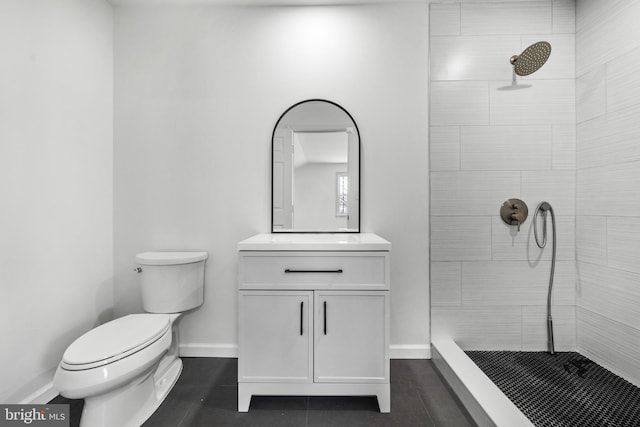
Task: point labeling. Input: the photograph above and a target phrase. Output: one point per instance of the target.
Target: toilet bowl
(125, 368)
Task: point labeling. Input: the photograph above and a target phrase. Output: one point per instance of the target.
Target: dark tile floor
(206, 395)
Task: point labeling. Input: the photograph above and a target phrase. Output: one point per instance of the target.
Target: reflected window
(342, 194)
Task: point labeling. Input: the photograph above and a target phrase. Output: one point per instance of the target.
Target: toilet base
(132, 404)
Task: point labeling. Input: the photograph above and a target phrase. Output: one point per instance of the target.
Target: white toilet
(125, 368)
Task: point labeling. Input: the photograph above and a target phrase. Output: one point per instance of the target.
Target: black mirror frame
(359, 170)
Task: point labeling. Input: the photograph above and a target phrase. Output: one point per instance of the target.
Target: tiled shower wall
(490, 142)
(608, 184)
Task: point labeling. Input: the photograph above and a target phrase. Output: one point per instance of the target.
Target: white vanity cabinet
(313, 316)
(276, 332)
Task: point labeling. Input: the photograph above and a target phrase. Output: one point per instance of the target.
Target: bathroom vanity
(313, 316)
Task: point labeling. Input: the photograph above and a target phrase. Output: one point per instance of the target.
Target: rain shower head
(531, 59)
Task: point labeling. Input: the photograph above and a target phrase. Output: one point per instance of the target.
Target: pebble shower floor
(561, 390)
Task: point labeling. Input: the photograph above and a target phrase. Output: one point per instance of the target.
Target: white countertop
(315, 242)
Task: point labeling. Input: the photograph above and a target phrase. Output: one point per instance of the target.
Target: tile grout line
(183, 419)
(424, 406)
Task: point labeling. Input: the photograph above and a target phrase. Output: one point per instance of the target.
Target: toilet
(125, 368)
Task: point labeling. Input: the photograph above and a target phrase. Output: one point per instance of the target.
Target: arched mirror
(315, 173)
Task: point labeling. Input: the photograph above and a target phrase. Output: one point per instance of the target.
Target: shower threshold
(564, 389)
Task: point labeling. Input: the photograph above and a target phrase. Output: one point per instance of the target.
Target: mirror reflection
(316, 170)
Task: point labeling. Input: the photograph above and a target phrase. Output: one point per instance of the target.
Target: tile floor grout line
(306, 413)
(424, 406)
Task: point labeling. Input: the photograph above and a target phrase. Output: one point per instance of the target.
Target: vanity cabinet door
(351, 336)
(275, 336)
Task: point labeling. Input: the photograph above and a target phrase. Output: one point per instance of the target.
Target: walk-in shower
(544, 388)
(542, 209)
(527, 119)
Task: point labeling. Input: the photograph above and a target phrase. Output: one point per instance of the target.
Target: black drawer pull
(325, 317)
(301, 316)
(288, 270)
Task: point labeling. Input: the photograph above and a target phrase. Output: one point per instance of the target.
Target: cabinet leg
(384, 401)
(244, 399)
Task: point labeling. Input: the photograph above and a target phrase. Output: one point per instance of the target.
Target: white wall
(487, 144)
(56, 182)
(608, 184)
(197, 93)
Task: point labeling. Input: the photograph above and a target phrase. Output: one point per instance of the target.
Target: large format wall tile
(489, 142)
(516, 283)
(556, 187)
(609, 190)
(473, 57)
(564, 16)
(534, 328)
(516, 18)
(609, 139)
(445, 283)
(563, 147)
(505, 147)
(591, 96)
(460, 238)
(608, 179)
(509, 245)
(609, 343)
(479, 328)
(472, 192)
(444, 148)
(591, 239)
(605, 30)
(444, 19)
(612, 293)
(546, 102)
(623, 243)
(459, 103)
(623, 81)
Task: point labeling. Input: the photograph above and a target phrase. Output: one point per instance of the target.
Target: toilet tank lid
(170, 258)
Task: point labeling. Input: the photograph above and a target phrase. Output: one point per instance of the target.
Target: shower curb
(484, 401)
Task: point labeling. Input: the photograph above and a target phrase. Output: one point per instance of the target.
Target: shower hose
(545, 207)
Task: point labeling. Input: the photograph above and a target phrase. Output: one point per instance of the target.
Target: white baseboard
(396, 351)
(410, 351)
(208, 350)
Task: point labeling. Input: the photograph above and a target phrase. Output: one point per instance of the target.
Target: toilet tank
(171, 282)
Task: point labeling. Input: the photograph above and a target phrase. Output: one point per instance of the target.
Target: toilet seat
(115, 340)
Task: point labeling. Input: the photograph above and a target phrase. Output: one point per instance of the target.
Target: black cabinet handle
(325, 317)
(301, 316)
(288, 270)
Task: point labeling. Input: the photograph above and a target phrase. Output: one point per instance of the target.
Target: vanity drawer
(314, 270)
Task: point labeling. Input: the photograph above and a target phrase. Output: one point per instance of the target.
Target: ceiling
(320, 147)
(260, 2)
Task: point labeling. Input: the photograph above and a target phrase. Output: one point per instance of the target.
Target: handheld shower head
(544, 206)
(531, 59)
